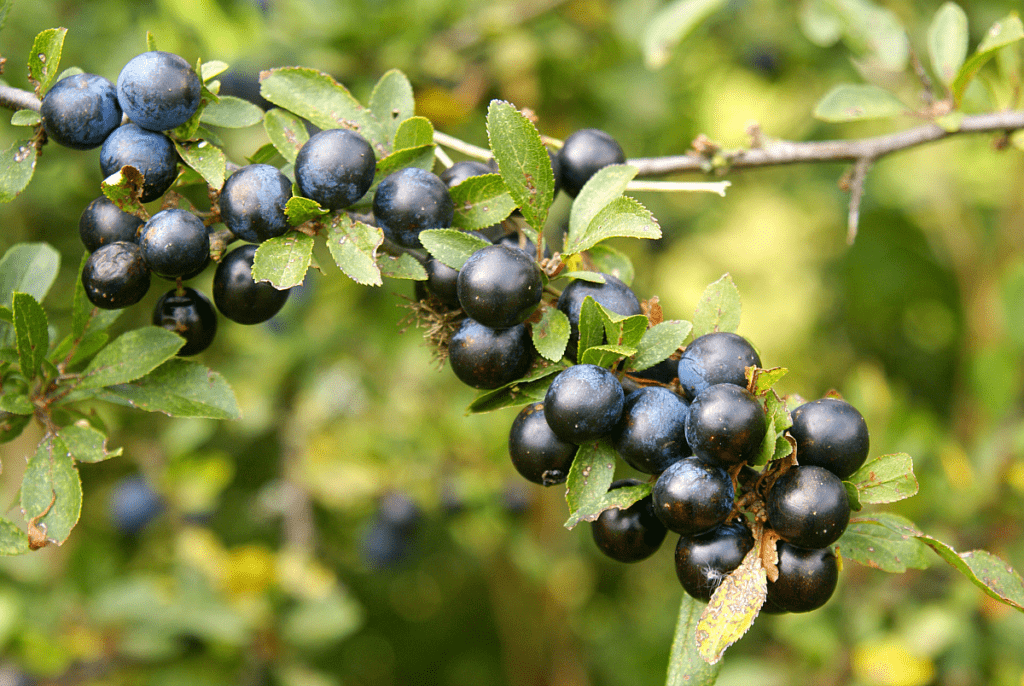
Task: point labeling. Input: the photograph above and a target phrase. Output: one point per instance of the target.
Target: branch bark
(16, 99)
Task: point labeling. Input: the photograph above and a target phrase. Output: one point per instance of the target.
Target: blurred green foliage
(269, 565)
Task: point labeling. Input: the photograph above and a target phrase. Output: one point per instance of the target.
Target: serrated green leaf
(853, 495)
(530, 388)
(686, 667)
(1004, 32)
(286, 132)
(870, 543)
(421, 157)
(551, 334)
(405, 266)
(283, 260)
(207, 159)
(608, 260)
(591, 474)
(658, 343)
(620, 498)
(90, 344)
(265, 154)
(734, 606)
(11, 426)
(13, 540)
(886, 479)
(86, 444)
(623, 217)
(606, 355)
(947, 41)
(44, 60)
(775, 445)
(353, 246)
(523, 161)
(851, 102)
(17, 164)
(51, 485)
(764, 379)
(670, 25)
(719, 308)
(591, 326)
(15, 403)
(316, 96)
(481, 201)
(300, 210)
(179, 388)
(130, 356)
(392, 102)
(450, 246)
(231, 112)
(25, 118)
(414, 132)
(603, 187)
(30, 327)
(212, 69)
(124, 188)
(623, 330)
(590, 277)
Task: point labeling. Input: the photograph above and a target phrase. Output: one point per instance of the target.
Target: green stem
(686, 667)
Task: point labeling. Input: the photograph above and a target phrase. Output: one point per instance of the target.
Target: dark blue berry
(703, 561)
(652, 432)
(152, 153)
(252, 203)
(499, 286)
(808, 506)
(483, 357)
(714, 358)
(807, 579)
(830, 433)
(409, 201)
(692, 497)
(537, 453)
(726, 425)
(104, 222)
(583, 403)
(188, 314)
(335, 168)
(80, 111)
(175, 243)
(631, 534)
(460, 171)
(115, 276)
(237, 296)
(158, 90)
(583, 154)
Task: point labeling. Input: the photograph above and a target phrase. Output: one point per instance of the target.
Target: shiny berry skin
(499, 286)
(442, 281)
(726, 425)
(190, 315)
(237, 296)
(613, 294)
(152, 153)
(175, 243)
(252, 203)
(115, 276)
(483, 357)
(158, 90)
(462, 170)
(628, 535)
(537, 453)
(703, 561)
(335, 167)
(409, 201)
(807, 579)
(808, 507)
(104, 222)
(714, 358)
(830, 433)
(652, 432)
(583, 403)
(584, 153)
(663, 372)
(80, 111)
(692, 497)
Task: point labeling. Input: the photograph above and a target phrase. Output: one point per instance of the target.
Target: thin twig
(673, 186)
(462, 146)
(16, 99)
(857, 180)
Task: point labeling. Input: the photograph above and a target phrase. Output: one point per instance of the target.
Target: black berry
(252, 202)
(808, 507)
(628, 535)
(237, 296)
(460, 171)
(830, 433)
(583, 403)
(692, 496)
(335, 168)
(703, 561)
(80, 111)
(158, 90)
(584, 153)
(726, 425)
(175, 243)
(409, 201)
(188, 314)
(537, 453)
(104, 222)
(499, 286)
(152, 153)
(652, 432)
(115, 276)
(807, 579)
(483, 357)
(715, 358)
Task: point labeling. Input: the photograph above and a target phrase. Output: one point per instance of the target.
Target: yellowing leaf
(733, 608)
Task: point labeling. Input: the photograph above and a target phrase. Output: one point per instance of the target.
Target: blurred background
(356, 528)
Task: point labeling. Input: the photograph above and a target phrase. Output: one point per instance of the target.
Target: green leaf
(1004, 32)
(13, 540)
(231, 112)
(851, 102)
(5, 8)
(421, 157)
(603, 187)
(283, 260)
(300, 210)
(551, 334)
(874, 31)
(25, 118)
(591, 326)
(450, 246)
(70, 71)
(685, 666)
(947, 41)
(523, 161)
(130, 356)
(190, 129)
(764, 379)
(734, 606)
(622, 217)
(820, 23)
(11, 426)
(205, 158)
(44, 60)
(620, 498)
(606, 355)
(90, 344)
(530, 388)
(124, 188)
(591, 474)
(15, 403)
(853, 495)
(658, 343)
(869, 542)
(622, 330)
(17, 164)
(316, 96)
(481, 201)
(353, 246)
(670, 25)
(51, 485)
(719, 308)
(86, 444)
(150, 41)
(286, 131)
(775, 445)
(405, 266)
(178, 388)
(266, 153)
(211, 69)
(30, 327)
(414, 132)
(591, 277)
(608, 260)
(29, 268)
(886, 479)
(392, 102)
